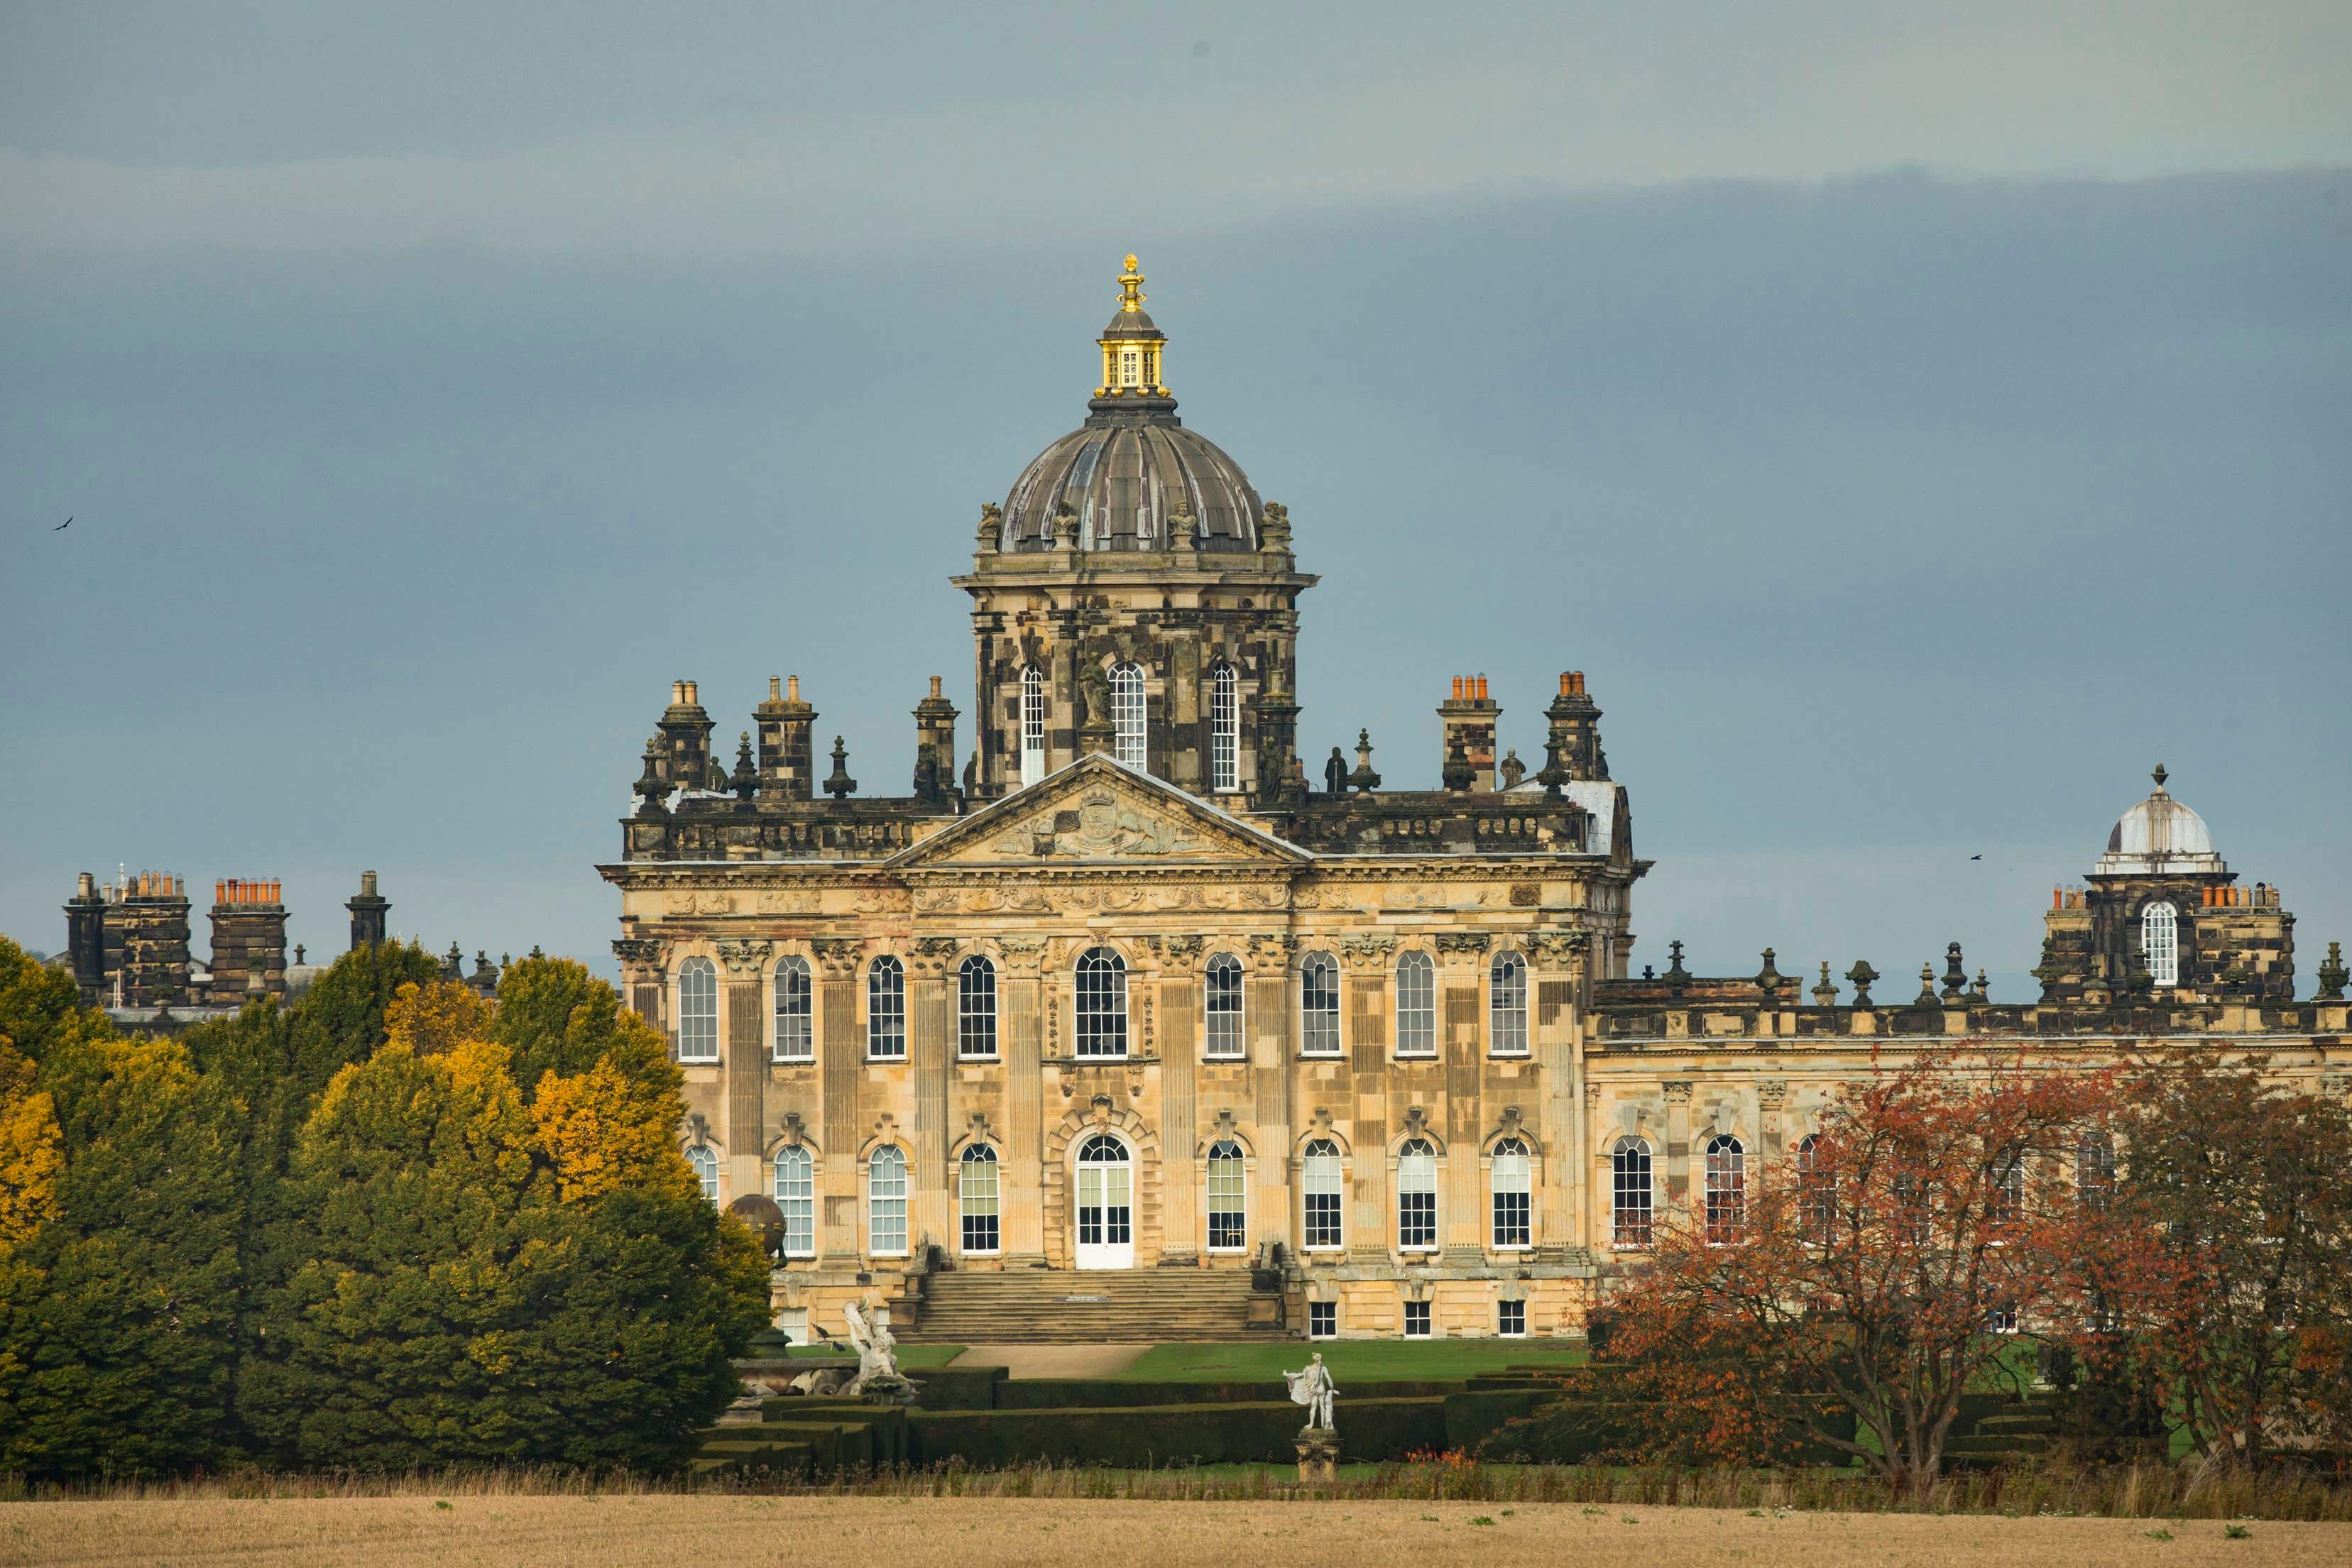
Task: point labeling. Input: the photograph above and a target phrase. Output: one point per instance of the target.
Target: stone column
(1270, 1075)
(1462, 1209)
(930, 1046)
(1771, 1093)
(842, 1051)
(1555, 958)
(746, 1067)
(1369, 961)
(1678, 1132)
(1021, 1024)
(1180, 1132)
(643, 963)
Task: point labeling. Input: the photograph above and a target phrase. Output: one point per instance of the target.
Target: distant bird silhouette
(1976, 857)
(62, 527)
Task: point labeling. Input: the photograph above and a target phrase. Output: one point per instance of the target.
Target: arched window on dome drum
(795, 1037)
(1510, 1177)
(1102, 1003)
(885, 1202)
(885, 1008)
(1506, 1005)
(1726, 1188)
(1225, 728)
(1126, 714)
(1228, 1197)
(1630, 1195)
(1033, 724)
(1319, 1005)
(1416, 1195)
(796, 1196)
(697, 1010)
(1223, 1005)
(976, 1196)
(1322, 1185)
(2160, 940)
(976, 1008)
(1416, 1005)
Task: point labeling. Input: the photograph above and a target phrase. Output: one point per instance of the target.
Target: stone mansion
(1120, 985)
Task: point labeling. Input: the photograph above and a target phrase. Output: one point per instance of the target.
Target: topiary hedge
(1141, 1436)
(1104, 1393)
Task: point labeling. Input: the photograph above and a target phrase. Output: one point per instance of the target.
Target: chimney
(154, 922)
(1574, 745)
(249, 940)
(935, 754)
(685, 739)
(368, 913)
(86, 939)
(1468, 718)
(786, 726)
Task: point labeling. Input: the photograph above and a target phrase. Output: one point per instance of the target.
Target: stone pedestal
(1318, 1456)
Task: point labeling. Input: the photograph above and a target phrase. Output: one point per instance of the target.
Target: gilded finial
(1130, 287)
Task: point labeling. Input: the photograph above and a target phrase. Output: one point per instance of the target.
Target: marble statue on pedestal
(1312, 1386)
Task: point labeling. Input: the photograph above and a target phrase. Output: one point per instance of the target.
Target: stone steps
(1065, 1307)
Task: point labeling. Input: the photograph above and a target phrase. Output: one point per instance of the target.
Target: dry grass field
(949, 1533)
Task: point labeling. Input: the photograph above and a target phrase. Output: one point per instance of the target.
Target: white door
(1106, 1204)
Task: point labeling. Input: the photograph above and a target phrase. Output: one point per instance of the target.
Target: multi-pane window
(976, 1006)
(885, 1202)
(2160, 940)
(705, 1161)
(1033, 724)
(1630, 1194)
(2008, 1190)
(1102, 1003)
(885, 1008)
(1130, 367)
(1228, 1197)
(1321, 1183)
(1416, 1319)
(1511, 1319)
(1417, 1195)
(1416, 1005)
(697, 1010)
(1225, 728)
(2094, 1170)
(796, 1195)
(1510, 1174)
(1126, 714)
(1726, 1187)
(1816, 1192)
(976, 1196)
(1506, 1005)
(1319, 1005)
(1222, 1004)
(1322, 1320)
(795, 1012)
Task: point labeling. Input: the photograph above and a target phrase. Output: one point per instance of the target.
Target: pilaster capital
(744, 956)
(1176, 955)
(1270, 952)
(1771, 1093)
(1367, 954)
(838, 957)
(1022, 955)
(647, 952)
(1558, 949)
(1462, 947)
(929, 957)
(1678, 1090)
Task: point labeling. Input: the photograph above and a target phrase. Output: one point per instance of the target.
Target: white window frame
(1033, 724)
(704, 1159)
(1322, 1320)
(1319, 1005)
(1102, 1033)
(1227, 1152)
(1726, 1191)
(885, 1202)
(976, 1014)
(1423, 1155)
(697, 1011)
(977, 1158)
(886, 1009)
(1130, 716)
(2159, 942)
(1505, 1312)
(1416, 1005)
(1322, 1198)
(1225, 728)
(1632, 1228)
(1506, 1005)
(1224, 1033)
(1510, 1173)
(1424, 1315)
(791, 1035)
(793, 1172)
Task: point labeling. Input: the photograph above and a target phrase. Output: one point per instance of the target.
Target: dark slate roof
(1123, 474)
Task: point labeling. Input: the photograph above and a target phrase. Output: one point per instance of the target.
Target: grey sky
(1918, 421)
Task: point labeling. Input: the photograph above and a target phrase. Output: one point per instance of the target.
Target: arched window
(1417, 1196)
(1510, 1174)
(1726, 1188)
(2160, 940)
(1416, 1005)
(697, 1010)
(1816, 1192)
(1319, 1005)
(976, 1006)
(1126, 714)
(2094, 1170)
(1102, 1003)
(1033, 724)
(796, 1195)
(705, 1161)
(1506, 1005)
(2008, 1190)
(1228, 1197)
(1222, 1004)
(795, 1014)
(1630, 1197)
(1225, 728)
(976, 1196)
(885, 1202)
(1322, 1185)
(885, 1008)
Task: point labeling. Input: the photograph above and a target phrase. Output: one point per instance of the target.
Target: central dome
(1132, 477)
(2157, 836)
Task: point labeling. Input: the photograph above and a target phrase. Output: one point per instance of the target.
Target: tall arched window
(1416, 1005)
(705, 1161)
(2094, 1170)
(1320, 1183)
(885, 1008)
(1228, 1197)
(976, 1008)
(1225, 728)
(1726, 1187)
(1221, 1004)
(1033, 724)
(1126, 714)
(1319, 1005)
(1506, 1005)
(796, 1195)
(795, 1014)
(1510, 1175)
(1630, 1197)
(1417, 1196)
(1102, 1003)
(976, 1196)
(697, 1010)
(2008, 1190)
(2160, 940)
(885, 1202)
(1816, 1192)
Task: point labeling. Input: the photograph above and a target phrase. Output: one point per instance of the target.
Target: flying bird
(62, 527)
(1976, 857)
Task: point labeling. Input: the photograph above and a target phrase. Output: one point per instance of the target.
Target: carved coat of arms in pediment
(1098, 825)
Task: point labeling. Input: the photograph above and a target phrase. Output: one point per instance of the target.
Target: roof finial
(1130, 287)
(2159, 775)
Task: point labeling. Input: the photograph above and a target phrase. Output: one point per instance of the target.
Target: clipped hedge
(1141, 1436)
(1106, 1394)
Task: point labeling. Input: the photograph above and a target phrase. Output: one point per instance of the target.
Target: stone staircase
(1054, 1306)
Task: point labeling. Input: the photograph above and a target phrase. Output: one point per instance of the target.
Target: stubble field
(949, 1533)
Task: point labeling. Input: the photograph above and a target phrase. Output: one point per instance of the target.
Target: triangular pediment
(1102, 812)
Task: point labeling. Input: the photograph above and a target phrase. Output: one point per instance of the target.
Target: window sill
(792, 1061)
(885, 1061)
(888, 1257)
(980, 1060)
(1329, 1249)
(1416, 1056)
(697, 1061)
(972, 1252)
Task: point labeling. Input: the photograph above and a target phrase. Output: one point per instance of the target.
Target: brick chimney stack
(1469, 716)
(367, 912)
(248, 939)
(935, 749)
(787, 748)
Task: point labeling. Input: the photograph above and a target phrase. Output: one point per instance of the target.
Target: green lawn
(1377, 1360)
(910, 1357)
